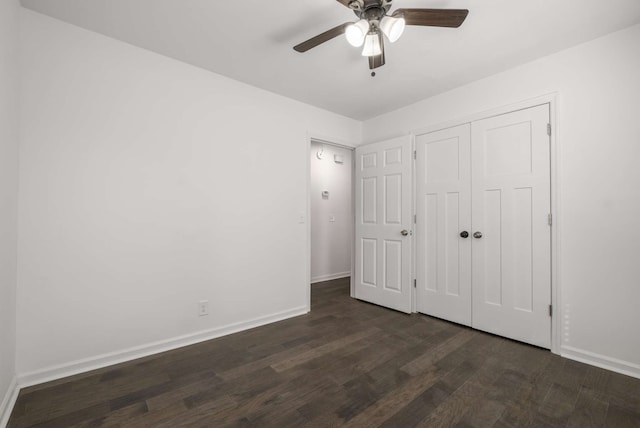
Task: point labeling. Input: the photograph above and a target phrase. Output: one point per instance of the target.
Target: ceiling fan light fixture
(357, 32)
(392, 27)
(372, 45)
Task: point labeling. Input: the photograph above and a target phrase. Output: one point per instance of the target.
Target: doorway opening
(331, 211)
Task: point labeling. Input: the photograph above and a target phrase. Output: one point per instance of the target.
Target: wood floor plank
(159, 417)
(590, 411)
(472, 390)
(285, 355)
(117, 418)
(421, 406)
(620, 417)
(380, 411)
(322, 350)
(485, 413)
(558, 405)
(424, 361)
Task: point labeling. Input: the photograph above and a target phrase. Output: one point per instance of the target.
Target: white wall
(8, 197)
(599, 137)
(147, 186)
(330, 240)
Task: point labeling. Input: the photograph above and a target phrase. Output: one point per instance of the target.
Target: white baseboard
(329, 277)
(8, 402)
(105, 360)
(604, 362)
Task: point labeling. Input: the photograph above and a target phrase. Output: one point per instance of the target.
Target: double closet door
(483, 225)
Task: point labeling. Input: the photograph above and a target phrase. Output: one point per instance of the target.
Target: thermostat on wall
(325, 194)
(338, 159)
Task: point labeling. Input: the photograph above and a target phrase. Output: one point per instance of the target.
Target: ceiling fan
(374, 22)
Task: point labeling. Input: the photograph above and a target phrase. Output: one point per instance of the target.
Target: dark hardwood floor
(347, 363)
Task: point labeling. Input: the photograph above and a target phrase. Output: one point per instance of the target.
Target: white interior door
(511, 254)
(383, 223)
(443, 199)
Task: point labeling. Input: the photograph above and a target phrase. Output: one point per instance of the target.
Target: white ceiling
(251, 41)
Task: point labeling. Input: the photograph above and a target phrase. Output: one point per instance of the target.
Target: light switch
(302, 217)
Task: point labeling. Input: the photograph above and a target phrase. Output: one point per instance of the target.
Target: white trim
(307, 259)
(556, 162)
(330, 276)
(8, 402)
(323, 139)
(352, 285)
(414, 226)
(602, 361)
(109, 359)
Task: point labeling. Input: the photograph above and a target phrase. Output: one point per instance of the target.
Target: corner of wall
(9, 124)
(8, 402)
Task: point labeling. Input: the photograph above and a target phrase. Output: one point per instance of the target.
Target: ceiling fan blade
(321, 38)
(345, 2)
(378, 60)
(433, 17)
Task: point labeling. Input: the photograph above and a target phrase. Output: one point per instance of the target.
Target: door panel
(369, 262)
(369, 188)
(511, 262)
(393, 199)
(393, 265)
(383, 207)
(443, 198)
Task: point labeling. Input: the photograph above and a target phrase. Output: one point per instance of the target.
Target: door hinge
(550, 219)
(415, 219)
(415, 154)
(550, 310)
(415, 283)
(549, 129)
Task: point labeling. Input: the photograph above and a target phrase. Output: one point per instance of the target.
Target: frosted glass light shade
(392, 27)
(372, 45)
(356, 32)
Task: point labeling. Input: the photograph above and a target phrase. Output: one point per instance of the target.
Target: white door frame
(552, 100)
(317, 138)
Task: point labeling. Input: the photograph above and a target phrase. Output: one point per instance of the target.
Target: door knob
(404, 232)
(464, 234)
(477, 235)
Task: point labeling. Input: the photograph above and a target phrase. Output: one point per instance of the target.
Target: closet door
(511, 254)
(443, 199)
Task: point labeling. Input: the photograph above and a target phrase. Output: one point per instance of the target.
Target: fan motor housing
(371, 10)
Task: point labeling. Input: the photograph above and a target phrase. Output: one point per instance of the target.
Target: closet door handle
(464, 234)
(477, 235)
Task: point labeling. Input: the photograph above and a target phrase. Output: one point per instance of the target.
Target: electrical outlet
(203, 308)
